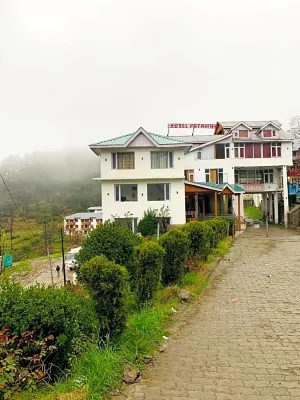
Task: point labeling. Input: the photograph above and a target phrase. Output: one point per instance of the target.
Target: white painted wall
(142, 168)
(176, 203)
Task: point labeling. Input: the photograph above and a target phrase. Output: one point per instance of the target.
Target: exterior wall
(118, 209)
(142, 168)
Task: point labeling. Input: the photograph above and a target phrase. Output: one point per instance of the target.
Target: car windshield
(70, 257)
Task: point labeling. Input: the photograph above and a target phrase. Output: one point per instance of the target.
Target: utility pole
(11, 227)
(63, 255)
(48, 253)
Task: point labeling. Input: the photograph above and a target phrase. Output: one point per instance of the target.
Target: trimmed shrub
(114, 242)
(219, 227)
(68, 317)
(176, 246)
(230, 221)
(200, 238)
(149, 261)
(147, 226)
(108, 284)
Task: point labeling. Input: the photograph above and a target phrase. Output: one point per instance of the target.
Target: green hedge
(109, 286)
(66, 315)
(204, 236)
(149, 261)
(176, 246)
(115, 242)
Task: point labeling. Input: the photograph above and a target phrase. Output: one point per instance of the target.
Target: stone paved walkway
(248, 349)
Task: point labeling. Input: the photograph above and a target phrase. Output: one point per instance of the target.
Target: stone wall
(294, 217)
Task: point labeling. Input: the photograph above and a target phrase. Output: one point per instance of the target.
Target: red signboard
(193, 126)
(253, 187)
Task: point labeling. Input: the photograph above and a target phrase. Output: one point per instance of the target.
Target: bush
(200, 238)
(108, 285)
(219, 227)
(147, 226)
(176, 246)
(230, 221)
(149, 261)
(47, 311)
(114, 242)
(23, 362)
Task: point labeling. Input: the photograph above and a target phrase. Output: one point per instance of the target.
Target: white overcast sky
(73, 72)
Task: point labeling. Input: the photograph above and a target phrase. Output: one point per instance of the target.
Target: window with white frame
(189, 175)
(162, 159)
(268, 133)
(243, 133)
(227, 150)
(123, 160)
(126, 192)
(158, 191)
(207, 175)
(199, 154)
(239, 150)
(268, 176)
(276, 149)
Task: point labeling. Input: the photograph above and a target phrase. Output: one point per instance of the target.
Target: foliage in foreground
(47, 311)
(109, 286)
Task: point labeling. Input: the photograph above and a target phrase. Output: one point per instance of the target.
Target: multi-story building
(83, 223)
(195, 176)
(139, 171)
(253, 155)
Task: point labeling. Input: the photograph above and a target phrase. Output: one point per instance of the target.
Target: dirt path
(40, 273)
(241, 341)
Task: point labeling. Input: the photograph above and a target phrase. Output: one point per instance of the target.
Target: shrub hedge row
(116, 266)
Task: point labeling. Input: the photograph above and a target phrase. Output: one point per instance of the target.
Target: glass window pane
(155, 192)
(159, 159)
(167, 191)
(117, 189)
(171, 159)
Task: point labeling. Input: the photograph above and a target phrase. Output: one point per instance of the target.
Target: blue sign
(7, 260)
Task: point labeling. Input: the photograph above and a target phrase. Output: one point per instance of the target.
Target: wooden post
(196, 206)
(232, 231)
(239, 213)
(203, 201)
(216, 204)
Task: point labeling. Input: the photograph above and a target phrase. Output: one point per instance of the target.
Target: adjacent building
(83, 223)
(195, 176)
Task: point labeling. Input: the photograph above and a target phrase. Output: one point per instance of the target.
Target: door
(213, 175)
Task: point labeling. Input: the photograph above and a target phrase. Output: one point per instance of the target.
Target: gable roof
(217, 187)
(124, 140)
(216, 140)
(269, 123)
(241, 123)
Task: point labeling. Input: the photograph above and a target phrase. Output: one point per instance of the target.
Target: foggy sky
(73, 72)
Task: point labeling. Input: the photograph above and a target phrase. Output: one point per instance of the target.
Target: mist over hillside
(50, 183)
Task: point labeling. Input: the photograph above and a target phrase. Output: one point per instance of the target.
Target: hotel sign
(193, 126)
(253, 187)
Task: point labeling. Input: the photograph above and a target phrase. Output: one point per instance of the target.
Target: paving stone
(243, 350)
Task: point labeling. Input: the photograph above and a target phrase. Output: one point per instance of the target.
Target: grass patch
(98, 370)
(253, 213)
(21, 267)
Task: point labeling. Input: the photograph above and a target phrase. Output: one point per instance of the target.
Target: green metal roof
(234, 188)
(122, 140)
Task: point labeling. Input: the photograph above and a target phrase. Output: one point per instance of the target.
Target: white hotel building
(196, 176)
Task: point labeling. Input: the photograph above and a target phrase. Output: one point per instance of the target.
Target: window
(239, 150)
(158, 191)
(266, 150)
(267, 134)
(162, 159)
(243, 133)
(249, 150)
(220, 176)
(123, 160)
(126, 192)
(268, 176)
(207, 177)
(257, 150)
(219, 151)
(189, 175)
(227, 150)
(199, 154)
(276, 149)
